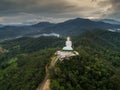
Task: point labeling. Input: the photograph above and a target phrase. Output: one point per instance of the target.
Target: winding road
(45, 85)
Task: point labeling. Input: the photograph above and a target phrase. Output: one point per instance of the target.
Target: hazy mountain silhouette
(70, 27)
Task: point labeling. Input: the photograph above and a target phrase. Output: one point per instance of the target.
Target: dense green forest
(23, 66)
(24, 71)
(96, 68)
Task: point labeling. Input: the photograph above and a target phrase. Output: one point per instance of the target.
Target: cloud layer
(57, 9)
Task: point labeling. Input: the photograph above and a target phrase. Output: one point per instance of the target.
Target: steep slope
(101, 38)
(97, 67)
(24, 69)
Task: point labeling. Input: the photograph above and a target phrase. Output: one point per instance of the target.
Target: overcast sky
(22, 11)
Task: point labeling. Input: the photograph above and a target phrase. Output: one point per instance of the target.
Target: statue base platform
(66, 54)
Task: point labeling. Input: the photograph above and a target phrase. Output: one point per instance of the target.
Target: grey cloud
(57, 9)
(115, 3)
(40, 6)
(36, 6)
(114, 9)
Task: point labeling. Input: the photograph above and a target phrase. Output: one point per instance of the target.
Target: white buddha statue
(68, 44)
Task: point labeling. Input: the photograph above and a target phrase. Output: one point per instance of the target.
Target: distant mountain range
(70, 27)
(78, 25)
(11, 32)
(110, 21)
(1, 25)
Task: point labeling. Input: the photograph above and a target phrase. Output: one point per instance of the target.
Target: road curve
(45, 85)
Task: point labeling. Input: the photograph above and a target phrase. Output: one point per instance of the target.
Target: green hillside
(24, 65)
(96, 68)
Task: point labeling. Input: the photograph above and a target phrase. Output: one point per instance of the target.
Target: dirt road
(45, 85)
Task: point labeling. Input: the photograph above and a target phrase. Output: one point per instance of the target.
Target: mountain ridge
(110, 21)
(69, 27)
(96, 67)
